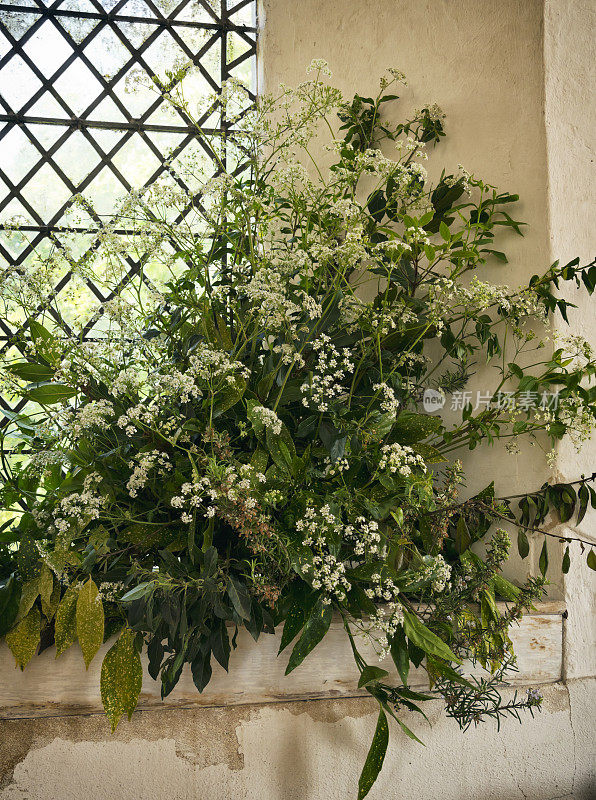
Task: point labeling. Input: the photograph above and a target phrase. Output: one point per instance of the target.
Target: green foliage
(245, 444)
(121, 678)
(89, 620)
(375, 757)
(315, 628)
(23, 639)
(65, 632)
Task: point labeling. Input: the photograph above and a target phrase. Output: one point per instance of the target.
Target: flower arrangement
(245, 444)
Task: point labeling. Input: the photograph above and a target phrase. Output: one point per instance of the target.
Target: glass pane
(80, 115)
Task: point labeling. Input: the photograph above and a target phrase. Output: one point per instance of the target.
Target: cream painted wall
(497, 69)
(570, 117)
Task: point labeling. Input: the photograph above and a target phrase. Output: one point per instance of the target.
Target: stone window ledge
(61, 688)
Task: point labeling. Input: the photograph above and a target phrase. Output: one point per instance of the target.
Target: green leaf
(50, 393)
(584, 498)
(316, 627)
(10, 596)
(228, 396)
(66, 628)
(29, 594)
(138, 592)
(407, 731)
(239, 596)
(566, 561)
(425, 639)
(281, 447)
(430, 454)
(220, 643)
(543, 560)
(399, 654)
(121, 678)
(446, 671)
(375, 757)
(90, 621)
(370, 674)
(504, 588)
(462, 536)
(49, 592)
(38, 331)
(293, 624)
(28, 371)
(445, 232)
(410, 428)
(24, 639)
(523, 546)
(592, 560)
(201, 669)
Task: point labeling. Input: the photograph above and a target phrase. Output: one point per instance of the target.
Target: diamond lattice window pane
(77, 116)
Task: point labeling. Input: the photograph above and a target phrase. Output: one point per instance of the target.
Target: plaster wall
(513, 78)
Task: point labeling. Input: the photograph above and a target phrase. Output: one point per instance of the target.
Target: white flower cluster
(332, 367)
(446, 295)
(328, 572)
(400, 459)
(389, 403)
(267, 290)
(383, 625)
(319, 65)
(232, 485)
(416, 236)
(268, 418)
(365, 535)
(141, 465)
(44, 459)
(138, 416)
(215, 366)
(333, 468)
(577, 418)
(91, 415)
(439, 573)
(76, 509)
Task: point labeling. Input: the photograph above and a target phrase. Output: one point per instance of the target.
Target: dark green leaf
(566, 561)
(239, 596)
(543, 560)
(201, 670)
(462, 536)
(220, 643)
(370, 674)
(375, 757)
(315, 629)
(425, 639)
(523, 546)
(10, 595)
(584, 498)
(399, 654)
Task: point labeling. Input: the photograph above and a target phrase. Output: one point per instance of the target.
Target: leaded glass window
(76, 121)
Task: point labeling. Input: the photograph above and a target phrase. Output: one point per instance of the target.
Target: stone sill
(256, 676)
